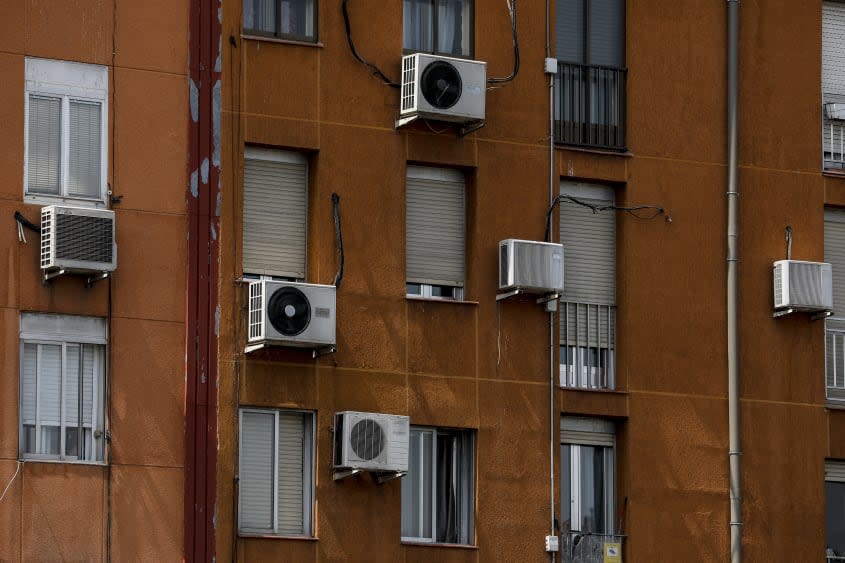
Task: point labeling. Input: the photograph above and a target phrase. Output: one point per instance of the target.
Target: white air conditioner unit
(371, 441)
(294, 314)
(530, 266)
(442, 89)
(803, 286)
(78, 240)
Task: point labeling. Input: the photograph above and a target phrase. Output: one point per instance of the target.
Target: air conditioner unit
(77, 240)
(291, 314)
(442, 89)
(530, 266)
(803, 286)
(371, 441)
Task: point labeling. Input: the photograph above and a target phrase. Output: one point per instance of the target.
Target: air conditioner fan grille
(367, 439)
(81, 237)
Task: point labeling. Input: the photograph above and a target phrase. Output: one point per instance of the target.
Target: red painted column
(203, 265)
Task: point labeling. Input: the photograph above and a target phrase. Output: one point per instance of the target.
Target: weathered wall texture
(64, 511)
(484, 365)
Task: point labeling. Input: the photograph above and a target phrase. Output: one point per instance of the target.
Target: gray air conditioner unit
(371, 441)
(530, 266)
(294, 314)
(442, 89)
(803, 286)
(77, 240)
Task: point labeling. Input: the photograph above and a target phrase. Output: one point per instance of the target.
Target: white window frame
(467, 31)
(65, 330)
(468, 495)
(287, 157)
(308, 485)
(420, 288)
(594, 433)
(68, 81)
(310, 16)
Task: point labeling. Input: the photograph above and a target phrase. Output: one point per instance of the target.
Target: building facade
(305, 243)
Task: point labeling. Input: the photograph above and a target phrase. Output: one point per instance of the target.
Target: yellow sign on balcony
(612, 552)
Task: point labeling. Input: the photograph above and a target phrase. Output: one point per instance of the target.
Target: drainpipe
(734, 450)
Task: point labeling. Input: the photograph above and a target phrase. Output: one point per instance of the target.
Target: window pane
(256, 471)
(447, 493)
(71, 388)
(418, 25)
(44, 145)
(84, 150)
(566, 486)
(49, 397)
(454, 27)
(291, 478)
(297, 18)
(835, 516)
(412, 488)
(260, 15)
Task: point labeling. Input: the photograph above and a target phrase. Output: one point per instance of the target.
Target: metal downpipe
(553, 419)
(734, 449)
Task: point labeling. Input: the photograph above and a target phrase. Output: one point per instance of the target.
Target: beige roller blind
(435, 226)
(586, 431)
(275, 208)
(834, 471)
(291, 473)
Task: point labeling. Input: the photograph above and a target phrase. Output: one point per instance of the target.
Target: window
(590, 45)
(275, 208)
(65, 132)
(437, 492)
(286, 19)
(62, 387)
(588, 490)
(434, 229)
(438, 26)
(834, 253)
(833, 85)
(834, 509)
(588, 305)
(276, 479)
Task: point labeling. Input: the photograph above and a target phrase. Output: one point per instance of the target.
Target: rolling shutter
(589, 247)
(834, 253)
(44, 144)
(291, 473)
(84, 149)
(256, 470)
(606, 33)
(435, 226)
(569, 30)
(586, 431)
(834, 471)
(274, 213)
(833, 48)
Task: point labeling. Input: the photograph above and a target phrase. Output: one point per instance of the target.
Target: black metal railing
(577, 547)
(590, 106)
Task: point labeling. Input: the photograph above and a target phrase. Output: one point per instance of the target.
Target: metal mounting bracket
(324, 351)
(509, 294)
(343, 474)
(821, 315)
(54, 274)
(475, 126)
(782, 313)
(91, 280)
(382, 477)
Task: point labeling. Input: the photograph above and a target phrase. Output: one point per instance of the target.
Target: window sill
(39, 199)
(433, 544)
(25, 459)
(247, 535)
(834, 405)
(604, 152)
(268, 39)
(439, 300)
(834, 172)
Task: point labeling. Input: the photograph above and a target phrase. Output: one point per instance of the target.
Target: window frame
(309, 449)
(277, 34)
(834, 472)
(603, 430)
(427, 287)
(435, 35)
(67, 330)
(68, 81)
(466, 465)
(587, 32)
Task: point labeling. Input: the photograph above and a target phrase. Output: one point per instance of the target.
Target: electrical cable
(9, 484)
(634, 210)
(512, 11)
(26, 222)
(338, 240)
(376, 71)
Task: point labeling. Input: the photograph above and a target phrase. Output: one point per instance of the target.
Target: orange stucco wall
(132, 510)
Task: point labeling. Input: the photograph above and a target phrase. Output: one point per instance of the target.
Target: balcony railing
(833, 134)
(834, 359)
(587, 345)
(576, 547)
(590, 106)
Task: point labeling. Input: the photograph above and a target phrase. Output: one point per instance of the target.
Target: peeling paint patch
(195, 102)
(195, 183)
(215, 155)
(213, 233)
(204, 171)
(217, 320)
(218, 64)
(219, 205)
